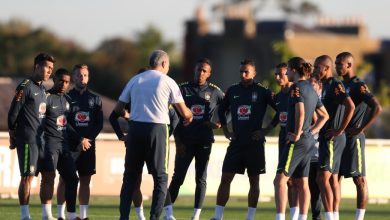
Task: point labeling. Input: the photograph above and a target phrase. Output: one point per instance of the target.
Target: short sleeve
(339, 92)
(295, 94)
(175, 93)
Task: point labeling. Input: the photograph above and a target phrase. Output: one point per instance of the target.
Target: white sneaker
(48, 218)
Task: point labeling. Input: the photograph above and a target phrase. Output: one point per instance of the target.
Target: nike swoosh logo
(36, 93)
(188, 95)
(277, 103)
(236, 96)
(55, 107)
(74, 102)
(352, 172)
(323, 166)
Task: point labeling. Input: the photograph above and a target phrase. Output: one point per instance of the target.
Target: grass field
(107, 208)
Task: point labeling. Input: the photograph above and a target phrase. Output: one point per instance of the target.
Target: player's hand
(187, 121)
(123, 138)
(258, 134)
(126, 116)
(229, 135)
(212, 125)
(331, 133)
(85, 144)
(180, 147)
(292, 137)
(12, 139)
(353, 131)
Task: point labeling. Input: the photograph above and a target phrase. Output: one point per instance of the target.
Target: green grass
(107, 208)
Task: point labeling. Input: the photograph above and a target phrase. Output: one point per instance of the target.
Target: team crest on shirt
(295, 92)
(363, 89)
(254, 96)
(91, 103)
(339, 89)
(243, 112)
(42, 110)
(61, 123)
(197, 111)
(18, 95)
(207, 96)
(81, 119)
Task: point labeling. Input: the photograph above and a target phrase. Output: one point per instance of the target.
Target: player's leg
(67, 170)
(253, 195)
(134, 161)
(138, 200)
(223, 194)
(157, 160)
(183, 158)
(315, 199)
(293, 200)
(202, 155)
(324, 175)
(49, 166)
(61, 199)
(281, 196)
(28, 162)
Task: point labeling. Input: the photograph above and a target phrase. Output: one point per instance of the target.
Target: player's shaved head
(325, 60)
(345, 56)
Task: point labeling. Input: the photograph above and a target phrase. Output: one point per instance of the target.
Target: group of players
(55, 130)
(322, 123)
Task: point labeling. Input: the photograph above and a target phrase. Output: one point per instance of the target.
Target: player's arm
(13, 113)
(348, 113)
(321, 117)
(299, 119)
(376, 109)
(223, 109)
(115, 124)
(173, 120)
(184, 112)
(82, 142)
(275, 120)
(98, 123)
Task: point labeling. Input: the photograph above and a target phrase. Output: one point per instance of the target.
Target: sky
(89, 22)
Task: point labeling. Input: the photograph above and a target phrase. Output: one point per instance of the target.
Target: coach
(150, 94)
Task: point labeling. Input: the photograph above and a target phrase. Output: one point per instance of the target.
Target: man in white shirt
(150, 94)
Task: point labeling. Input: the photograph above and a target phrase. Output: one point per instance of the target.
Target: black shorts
(245, 156)
(85, 161)
(330, 152)
(147, 142)
(353, 159)
(295, 161)
(282, 143)
(53, 149)
(28, 157)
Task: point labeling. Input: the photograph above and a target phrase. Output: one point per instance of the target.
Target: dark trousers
(184, 156)
(315, 200)
(147, 142)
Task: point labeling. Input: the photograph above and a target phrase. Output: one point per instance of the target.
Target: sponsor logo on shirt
(61, 123)
(82, 119)
(283, 118)
(42, 110)
(243, 112)
(197, 111)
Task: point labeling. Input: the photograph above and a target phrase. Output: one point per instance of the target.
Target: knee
(48, 177)
(360, 182)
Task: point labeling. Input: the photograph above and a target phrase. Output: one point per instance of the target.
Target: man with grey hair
(150, 94)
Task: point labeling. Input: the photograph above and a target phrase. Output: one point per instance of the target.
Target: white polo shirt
(150, 94)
